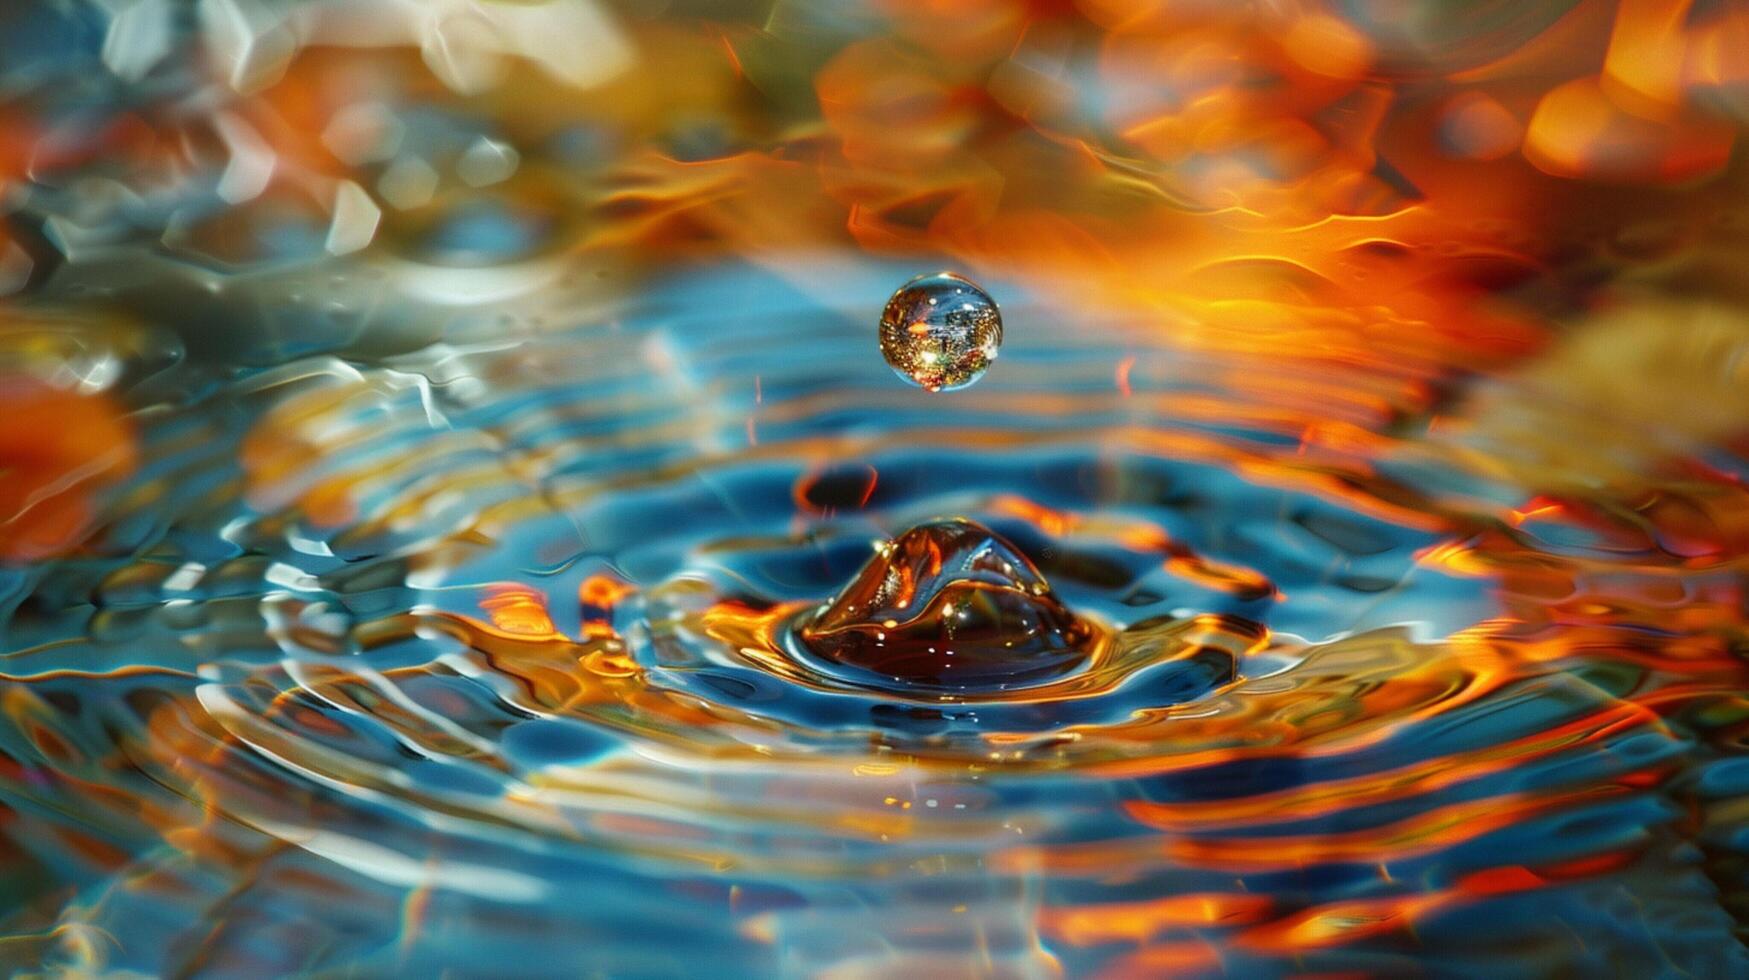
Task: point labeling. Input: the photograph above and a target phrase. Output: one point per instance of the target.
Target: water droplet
(950, 605)
(941, 331)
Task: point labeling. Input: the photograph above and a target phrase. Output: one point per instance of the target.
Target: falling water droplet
(950, 605)
(941, 331)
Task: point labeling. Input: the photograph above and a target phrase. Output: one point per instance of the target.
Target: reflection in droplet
(941, 331)
(952, 605)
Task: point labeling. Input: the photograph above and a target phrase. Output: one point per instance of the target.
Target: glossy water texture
(401, 673)
(940, 332)
(949, 605)
(455, 519)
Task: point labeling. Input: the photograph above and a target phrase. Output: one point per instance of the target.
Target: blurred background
(421, 422)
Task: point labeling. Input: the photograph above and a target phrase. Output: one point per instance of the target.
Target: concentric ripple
(540, 652)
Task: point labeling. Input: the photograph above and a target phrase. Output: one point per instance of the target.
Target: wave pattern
(479, 654)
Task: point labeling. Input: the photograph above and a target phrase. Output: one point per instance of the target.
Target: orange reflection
(47, 485)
